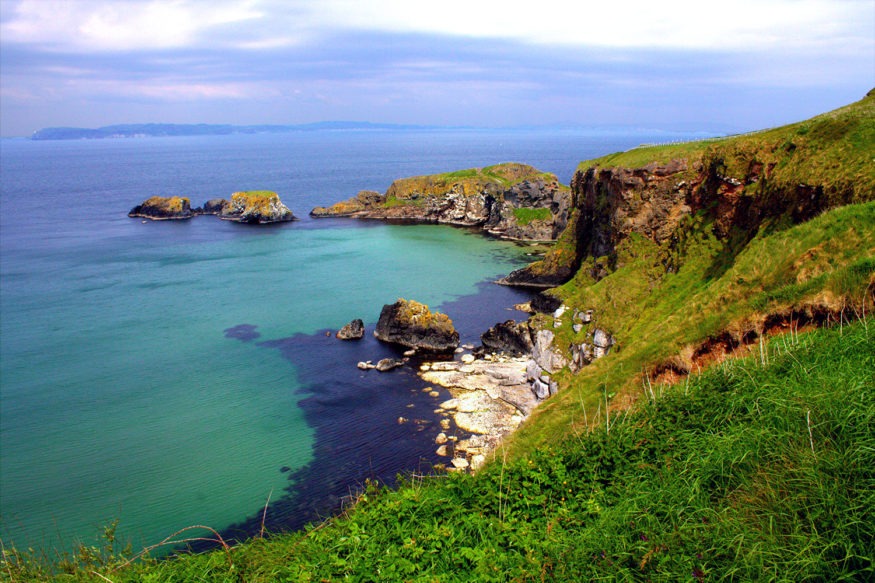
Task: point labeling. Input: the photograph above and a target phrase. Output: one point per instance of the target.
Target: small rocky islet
(250, 207)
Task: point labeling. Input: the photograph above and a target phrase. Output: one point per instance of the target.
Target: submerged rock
(162, 208)
(412, 324)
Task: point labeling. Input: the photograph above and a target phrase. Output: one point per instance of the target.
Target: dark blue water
(177, 373)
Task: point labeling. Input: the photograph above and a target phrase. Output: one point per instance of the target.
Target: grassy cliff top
(255, 193)
(468, 182)
(834, 150)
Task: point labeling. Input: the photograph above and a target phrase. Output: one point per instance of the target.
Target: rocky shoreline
(493, 387)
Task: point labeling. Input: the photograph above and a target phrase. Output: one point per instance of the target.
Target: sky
(681, 65)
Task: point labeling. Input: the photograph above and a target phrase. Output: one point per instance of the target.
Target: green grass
(823, 264)
(760, 469)
(834, 151)
(258, 193)
(525, 215)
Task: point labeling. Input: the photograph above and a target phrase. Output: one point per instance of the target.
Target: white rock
(441, 438)
(468, 358)
(442, 451)
(460, 463)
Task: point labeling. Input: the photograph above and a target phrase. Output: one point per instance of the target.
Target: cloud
(478, 62)
(101, 25)
(741, 25)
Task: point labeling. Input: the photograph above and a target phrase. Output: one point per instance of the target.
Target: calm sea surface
(177, 373)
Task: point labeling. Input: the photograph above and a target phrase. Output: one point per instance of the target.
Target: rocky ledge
(161, 208)
(253, 207)
(412, 324)
(513, 201)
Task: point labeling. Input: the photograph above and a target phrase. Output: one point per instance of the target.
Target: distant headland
(143, 130)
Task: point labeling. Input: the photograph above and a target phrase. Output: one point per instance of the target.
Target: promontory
(511, 200)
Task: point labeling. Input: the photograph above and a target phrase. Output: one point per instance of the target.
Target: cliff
(769, 179)
(514, 201)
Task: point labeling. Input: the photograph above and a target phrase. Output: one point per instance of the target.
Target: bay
(125, 392)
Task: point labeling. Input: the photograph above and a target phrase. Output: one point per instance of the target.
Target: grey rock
(388, 364)
(355, 330)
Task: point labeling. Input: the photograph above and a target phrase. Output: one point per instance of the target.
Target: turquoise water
(122, 396)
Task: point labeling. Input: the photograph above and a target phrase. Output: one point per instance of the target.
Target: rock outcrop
(355, 330)
(412, 324)
(509, 337)
(513, 201)
(256, 207)
(161, 208)
(215, 206)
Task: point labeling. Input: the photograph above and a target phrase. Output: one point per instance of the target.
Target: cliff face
(514, 201)
(778, 178)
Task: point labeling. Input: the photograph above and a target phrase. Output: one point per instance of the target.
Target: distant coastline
(158, 130)
(143, 130)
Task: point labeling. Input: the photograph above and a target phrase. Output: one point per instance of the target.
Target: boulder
(162, 208)
(509, 337)
(412, 324)
(545, 355)
(388, 364)
(355, 330)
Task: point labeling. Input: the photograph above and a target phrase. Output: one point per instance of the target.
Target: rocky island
(511, 200)
(251, 207)
(161, 208)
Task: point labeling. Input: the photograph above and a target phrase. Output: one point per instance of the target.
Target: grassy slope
(824, 263)
(758, 469)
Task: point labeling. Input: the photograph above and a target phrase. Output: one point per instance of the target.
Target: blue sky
(676, 65)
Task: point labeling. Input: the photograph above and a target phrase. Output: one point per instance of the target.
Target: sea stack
(412, 324)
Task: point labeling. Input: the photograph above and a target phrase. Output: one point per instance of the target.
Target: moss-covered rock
(412, 324)
(256, 207)
(161, 208)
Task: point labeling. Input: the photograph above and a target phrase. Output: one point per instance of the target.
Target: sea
(164, 374)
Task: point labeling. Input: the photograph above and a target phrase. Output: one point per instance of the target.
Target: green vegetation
(822, 266)
(467, 182)
(526, 215)
(256, 193)
(760, 469)
(834, 151)
(751, 469)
